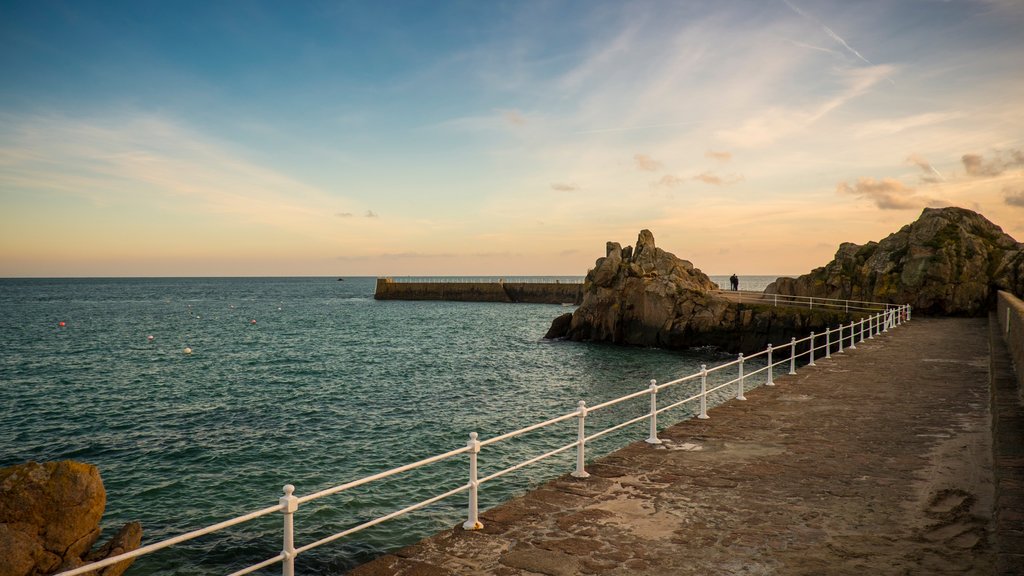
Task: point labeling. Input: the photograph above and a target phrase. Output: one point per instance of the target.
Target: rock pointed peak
(644, 244)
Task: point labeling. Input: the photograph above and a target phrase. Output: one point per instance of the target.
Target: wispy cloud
(720, 156)
(930, 173)
(646, 163)
(565, 186)
(977, 166)
(150, 159)
(887, 194)
(371, 214)
(1014, 196)
(670, 180)
(777, 123)
(514, 117)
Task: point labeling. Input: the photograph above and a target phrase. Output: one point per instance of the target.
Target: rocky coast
(50, 519)
(644, 296)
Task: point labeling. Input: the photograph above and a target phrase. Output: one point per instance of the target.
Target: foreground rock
(646, 296)
(50, 518)
(951, 261)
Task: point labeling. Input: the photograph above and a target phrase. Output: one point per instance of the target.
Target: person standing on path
(735, 282)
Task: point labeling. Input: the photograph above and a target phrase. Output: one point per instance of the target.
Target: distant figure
(735, 282)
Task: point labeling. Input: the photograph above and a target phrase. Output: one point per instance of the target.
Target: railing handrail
(848, 305)
(866, 327)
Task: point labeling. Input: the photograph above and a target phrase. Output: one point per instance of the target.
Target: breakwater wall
(527, 292)
(1010, 316)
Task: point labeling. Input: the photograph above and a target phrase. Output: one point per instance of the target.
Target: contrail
(828, 31)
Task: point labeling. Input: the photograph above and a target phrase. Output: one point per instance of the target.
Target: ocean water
(326, 386)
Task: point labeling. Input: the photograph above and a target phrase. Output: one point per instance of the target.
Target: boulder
(49, 516)
(950, 261)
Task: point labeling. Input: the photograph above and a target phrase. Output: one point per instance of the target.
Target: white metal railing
(833, 340)
(755, 297)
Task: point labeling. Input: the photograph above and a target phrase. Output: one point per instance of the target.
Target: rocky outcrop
(951, 261)
(50, 518)
(648, 297)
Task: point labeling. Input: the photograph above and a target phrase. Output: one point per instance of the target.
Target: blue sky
(352, 138)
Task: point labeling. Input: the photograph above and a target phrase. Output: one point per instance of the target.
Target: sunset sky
(410, 138)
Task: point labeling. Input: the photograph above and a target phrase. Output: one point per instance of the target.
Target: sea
(304, 381)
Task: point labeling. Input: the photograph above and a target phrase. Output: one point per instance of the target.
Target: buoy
(150, 338)
(61, 324)
(253, 321)
(187, 350)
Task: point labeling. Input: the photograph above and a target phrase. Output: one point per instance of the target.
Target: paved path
(877, 461)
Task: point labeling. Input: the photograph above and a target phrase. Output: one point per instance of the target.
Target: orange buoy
(61, 324)
(253, 321)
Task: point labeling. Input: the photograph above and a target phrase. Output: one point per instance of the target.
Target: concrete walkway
(878, 461)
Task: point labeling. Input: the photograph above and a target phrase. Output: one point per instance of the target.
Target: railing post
(581, 438)
(811, 363)
(775, 299)
(811, 302)
(473, 522)
(771, 369)
(828, 342)
(703, 392)
(853, 337)
(840, 351)
(871, 326)
(792, 355)
(653, 438)
(739, 395)
(862, 320)
(289, 504)
(885, 321)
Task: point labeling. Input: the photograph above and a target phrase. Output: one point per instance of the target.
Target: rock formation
(648, 297)
(951, 261)
(49, 519)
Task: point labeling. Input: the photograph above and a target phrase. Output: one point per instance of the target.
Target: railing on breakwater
(836, 340)
(1010, 315)
(754, 297)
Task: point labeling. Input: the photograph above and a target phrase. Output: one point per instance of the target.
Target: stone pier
(876, 461)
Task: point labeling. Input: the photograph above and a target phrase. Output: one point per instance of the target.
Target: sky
(495, 138)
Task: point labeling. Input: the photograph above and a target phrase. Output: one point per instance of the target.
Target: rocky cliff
(951, 261)
(50, 518)
(646, 296)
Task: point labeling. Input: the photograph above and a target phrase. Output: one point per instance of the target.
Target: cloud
(514, 117)
(776, 123)
(976, 166)
(371, 214)
(343, 214)
(708, 178)
(931, 175)
(564, 186)
(890, 126)
(1014, 197)
(646, 163)
(720, 156)
(887, 194)
(670, 180)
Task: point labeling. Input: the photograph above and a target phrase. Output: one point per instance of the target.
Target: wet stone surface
(876, 461)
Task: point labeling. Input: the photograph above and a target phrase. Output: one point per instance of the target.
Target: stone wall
(1010, 315)
(527, 292)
